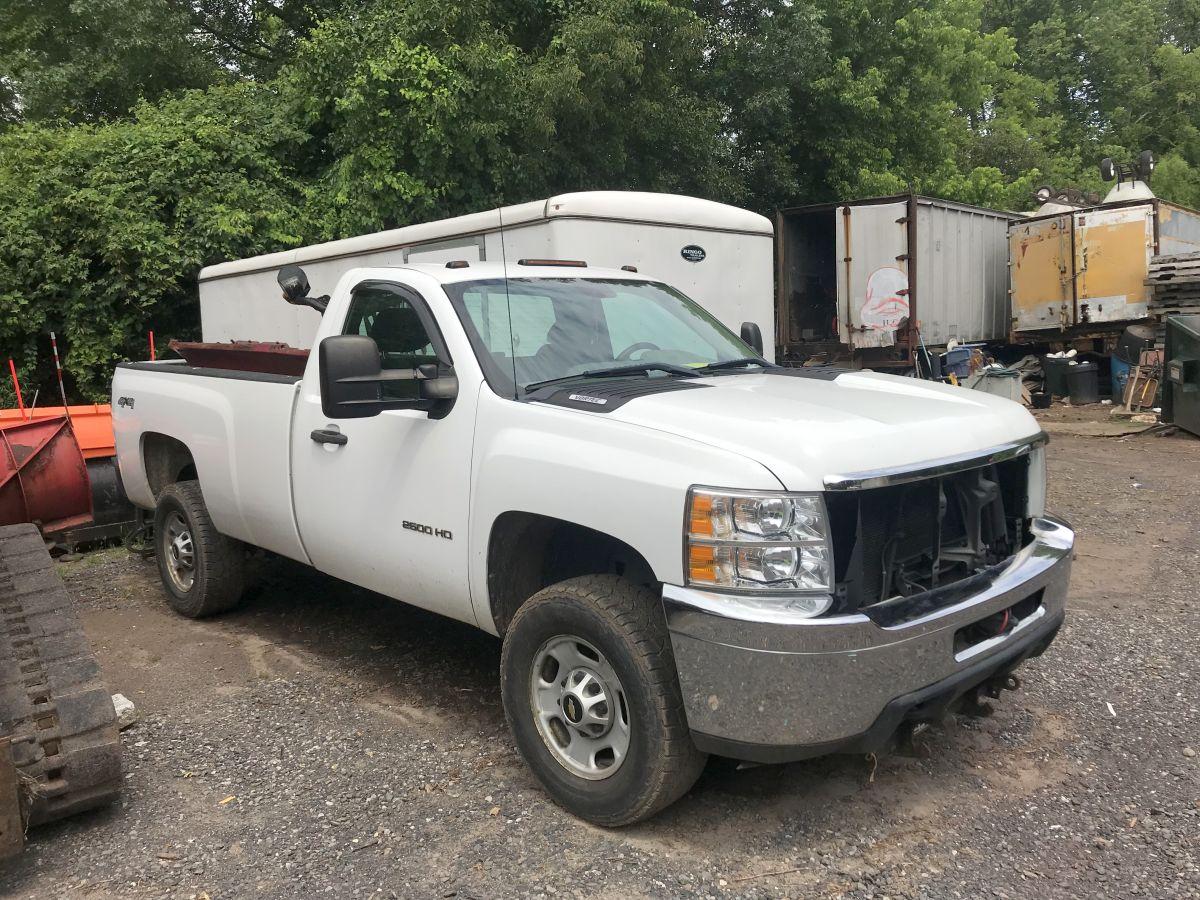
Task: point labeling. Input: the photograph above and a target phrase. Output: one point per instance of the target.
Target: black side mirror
(752, 335)
(294, 284)
(352, 381)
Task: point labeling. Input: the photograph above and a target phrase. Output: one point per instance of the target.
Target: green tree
(623, 87)
(1111, 78)
(841, 98)
(412, 110)
(106, 226)
(420, 110)
(766, 56)
(84, 60)
(255, 38)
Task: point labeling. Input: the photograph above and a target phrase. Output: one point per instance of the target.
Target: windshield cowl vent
(609, 395)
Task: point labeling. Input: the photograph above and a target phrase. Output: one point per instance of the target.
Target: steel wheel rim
(179, 551)
(579, 707)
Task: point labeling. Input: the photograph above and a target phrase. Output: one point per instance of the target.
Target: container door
(872, 278)
(1039, 253)
(1112, 258)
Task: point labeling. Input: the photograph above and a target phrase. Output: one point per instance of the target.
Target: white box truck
(718, 255)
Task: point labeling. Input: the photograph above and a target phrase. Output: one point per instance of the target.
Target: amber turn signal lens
(700, 515)
(702, 564)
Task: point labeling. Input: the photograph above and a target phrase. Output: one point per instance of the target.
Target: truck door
(1041, 273)
(388, 508)
(1112, 257)
(872, 277)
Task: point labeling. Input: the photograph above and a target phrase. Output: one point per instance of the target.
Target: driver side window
(389, 318)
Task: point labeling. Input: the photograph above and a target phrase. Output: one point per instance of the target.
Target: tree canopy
(142, 139)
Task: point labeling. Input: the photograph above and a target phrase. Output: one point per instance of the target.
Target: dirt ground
(323, 741)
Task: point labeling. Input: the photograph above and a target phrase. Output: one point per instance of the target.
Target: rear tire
(622, 640)
(202, 570)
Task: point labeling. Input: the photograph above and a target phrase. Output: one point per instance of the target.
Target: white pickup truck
(686, 549)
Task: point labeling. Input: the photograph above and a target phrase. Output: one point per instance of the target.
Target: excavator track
(55, 710)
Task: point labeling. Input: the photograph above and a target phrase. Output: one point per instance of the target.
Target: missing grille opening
(907, 540)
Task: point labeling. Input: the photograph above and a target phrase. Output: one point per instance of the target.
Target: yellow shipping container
(1082, 272)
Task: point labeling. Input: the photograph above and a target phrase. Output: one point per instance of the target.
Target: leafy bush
(106, 226)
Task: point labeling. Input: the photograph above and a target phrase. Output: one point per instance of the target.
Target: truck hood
(807, 428)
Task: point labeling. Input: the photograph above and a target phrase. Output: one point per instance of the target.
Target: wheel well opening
(527, 552)
(167, 461)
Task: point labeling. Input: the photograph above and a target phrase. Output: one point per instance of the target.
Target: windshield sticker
(584, 398)
(693, 253)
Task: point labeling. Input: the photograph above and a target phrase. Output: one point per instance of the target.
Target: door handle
(329, 436)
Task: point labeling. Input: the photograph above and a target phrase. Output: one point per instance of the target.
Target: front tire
(592, 698)
(202, 570)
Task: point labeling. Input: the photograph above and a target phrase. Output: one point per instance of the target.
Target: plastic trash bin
(1054, 369)
(1083, 381)
(957, 362)
(1120, 374)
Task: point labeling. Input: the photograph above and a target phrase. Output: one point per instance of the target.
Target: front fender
(624, 480)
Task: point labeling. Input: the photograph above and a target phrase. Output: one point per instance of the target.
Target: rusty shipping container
(1082, 273)
(867, 279)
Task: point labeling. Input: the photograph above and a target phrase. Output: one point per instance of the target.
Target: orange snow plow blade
(43, 476)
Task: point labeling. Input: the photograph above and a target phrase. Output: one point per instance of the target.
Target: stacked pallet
(1174, 283)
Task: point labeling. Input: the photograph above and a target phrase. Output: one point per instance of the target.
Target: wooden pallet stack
(1174, 283)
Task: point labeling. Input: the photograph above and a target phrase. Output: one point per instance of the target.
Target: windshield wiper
(738, 363)
(615, 372)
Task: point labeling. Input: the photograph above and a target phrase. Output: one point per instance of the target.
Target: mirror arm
(320, 304)
(415, 374)
(422, 404)
(389, 375)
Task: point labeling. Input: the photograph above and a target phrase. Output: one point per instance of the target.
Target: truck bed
(235, 425)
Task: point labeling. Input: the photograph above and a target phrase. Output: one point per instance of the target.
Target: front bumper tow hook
(1008, 682)
(974, 704)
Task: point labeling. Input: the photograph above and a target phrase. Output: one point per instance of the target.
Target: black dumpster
(1181, 392)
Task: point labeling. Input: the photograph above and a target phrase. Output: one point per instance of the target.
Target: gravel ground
(326, 742)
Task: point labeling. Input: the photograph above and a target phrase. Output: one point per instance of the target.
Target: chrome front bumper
(771, 691)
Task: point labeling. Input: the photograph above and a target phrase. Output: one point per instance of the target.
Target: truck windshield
(534, 330)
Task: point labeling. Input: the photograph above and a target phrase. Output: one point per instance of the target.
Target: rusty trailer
(869, 280)
(1082, 273)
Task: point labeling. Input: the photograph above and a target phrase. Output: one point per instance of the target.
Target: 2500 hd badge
(428, 529)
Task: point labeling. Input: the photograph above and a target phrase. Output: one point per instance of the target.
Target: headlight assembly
(750, 541)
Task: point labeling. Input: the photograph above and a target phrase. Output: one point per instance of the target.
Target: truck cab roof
(452, 273)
